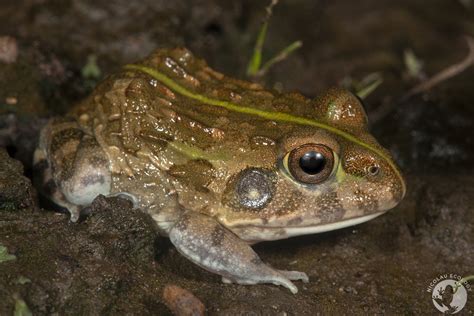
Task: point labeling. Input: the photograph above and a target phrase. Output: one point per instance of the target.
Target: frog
(219, 163)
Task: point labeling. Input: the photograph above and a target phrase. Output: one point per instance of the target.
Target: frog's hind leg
(207, 243)
(46, 185)
(70, 166)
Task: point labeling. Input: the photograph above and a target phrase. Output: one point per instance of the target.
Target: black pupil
(312, 162)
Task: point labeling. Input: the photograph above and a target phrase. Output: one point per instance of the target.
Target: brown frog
(219, 163)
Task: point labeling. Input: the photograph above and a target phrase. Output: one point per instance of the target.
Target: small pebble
(11, 100)
(8, 49)
(182, 302)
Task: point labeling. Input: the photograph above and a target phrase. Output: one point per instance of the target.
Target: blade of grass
(256, 61)
(282, 55)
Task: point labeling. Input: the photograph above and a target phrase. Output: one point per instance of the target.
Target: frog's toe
(274, 279)
(295, 275)
(75, 212)
(226, 280)
(286, 283)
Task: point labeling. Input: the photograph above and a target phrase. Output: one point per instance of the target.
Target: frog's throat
(269, 115)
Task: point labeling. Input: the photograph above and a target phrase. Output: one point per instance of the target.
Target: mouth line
(321, 228)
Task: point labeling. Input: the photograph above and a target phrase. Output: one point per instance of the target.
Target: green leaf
(4, 255)
(91, 70)
(21, 309)
(413, 64)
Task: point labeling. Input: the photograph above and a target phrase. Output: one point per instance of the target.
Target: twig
(282, 55)
(446, 73)
(388, 106)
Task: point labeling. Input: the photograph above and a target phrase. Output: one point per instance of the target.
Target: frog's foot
(48, 187)
(70, 167)
(277, 280)
(207, 243)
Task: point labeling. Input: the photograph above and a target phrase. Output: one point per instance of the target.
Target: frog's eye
(311, 163)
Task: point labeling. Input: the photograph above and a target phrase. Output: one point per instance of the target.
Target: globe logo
(449, 296)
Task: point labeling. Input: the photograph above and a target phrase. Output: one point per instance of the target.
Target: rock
(123, 232)
(16, 190)
(182, 302)
(8, 49)
(20, 135)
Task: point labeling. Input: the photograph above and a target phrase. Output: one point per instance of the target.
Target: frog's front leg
(207, 243)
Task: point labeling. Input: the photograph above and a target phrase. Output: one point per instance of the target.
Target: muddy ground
(114, 263)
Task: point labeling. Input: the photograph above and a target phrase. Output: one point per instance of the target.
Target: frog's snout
(391, 189)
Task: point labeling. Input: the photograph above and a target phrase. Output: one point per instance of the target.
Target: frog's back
(133, 110)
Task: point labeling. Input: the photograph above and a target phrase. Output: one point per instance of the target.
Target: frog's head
(327, 173)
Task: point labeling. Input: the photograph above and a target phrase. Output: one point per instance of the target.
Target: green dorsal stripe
(269, 115)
